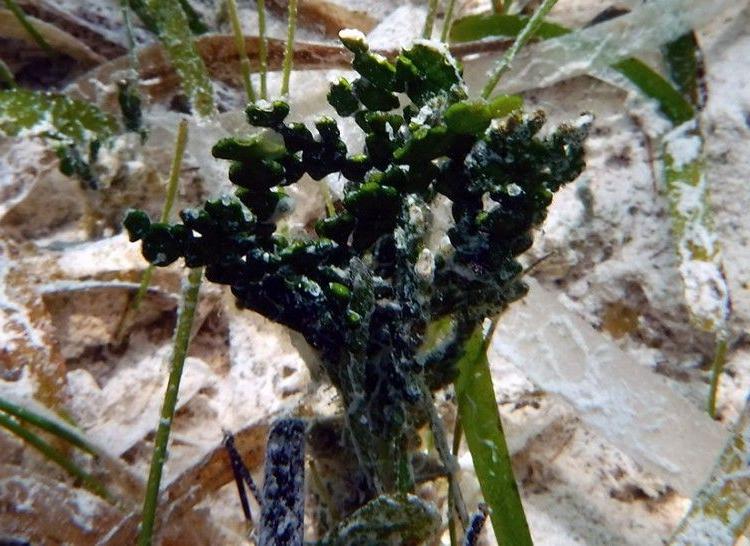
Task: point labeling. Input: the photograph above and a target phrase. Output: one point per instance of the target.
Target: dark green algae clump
(364, 292)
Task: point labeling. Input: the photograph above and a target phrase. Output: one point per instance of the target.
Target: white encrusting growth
(706, 291)
(425, 266)
(353, 35)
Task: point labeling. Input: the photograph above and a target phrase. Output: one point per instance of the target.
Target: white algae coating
(706, 291)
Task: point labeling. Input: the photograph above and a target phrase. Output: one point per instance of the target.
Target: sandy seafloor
(592, 470)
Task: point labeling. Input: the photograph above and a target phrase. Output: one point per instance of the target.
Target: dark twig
(242, 475)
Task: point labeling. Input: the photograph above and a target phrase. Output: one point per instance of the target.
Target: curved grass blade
(174, 33)
(671, 102)
(33, 32)
(6, 76)
(477, 410)
(86, 480)
(195, 21)
(485, 25)
(48, 424)
(25, 112)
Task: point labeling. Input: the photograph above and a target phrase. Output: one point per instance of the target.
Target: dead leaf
(42, 511)
(60, 40)
(329, 17)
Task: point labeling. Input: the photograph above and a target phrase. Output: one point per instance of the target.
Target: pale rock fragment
(628, 405)
(133, 397)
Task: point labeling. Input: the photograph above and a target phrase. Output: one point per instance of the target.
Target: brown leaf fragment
(159, 81)
(96, 25)
(60, 40)
(329, 17)
(29, 325)
(43, 511)
(191, 487)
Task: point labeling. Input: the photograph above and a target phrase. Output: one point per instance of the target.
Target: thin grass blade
(485, 25)
(185, 317)
(172, 184)
(49, 452)
(289, 48)
(524, 35)
(239, 42)
(429, 22)
(671, 102)
(262, 47)
(195, 21)
(48, 424)
(33, 32)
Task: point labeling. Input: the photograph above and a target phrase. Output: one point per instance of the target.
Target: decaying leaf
(97, 28)
(40, 510)
(30, 344)
(57, 38)
(564, 355)
(329, 16)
